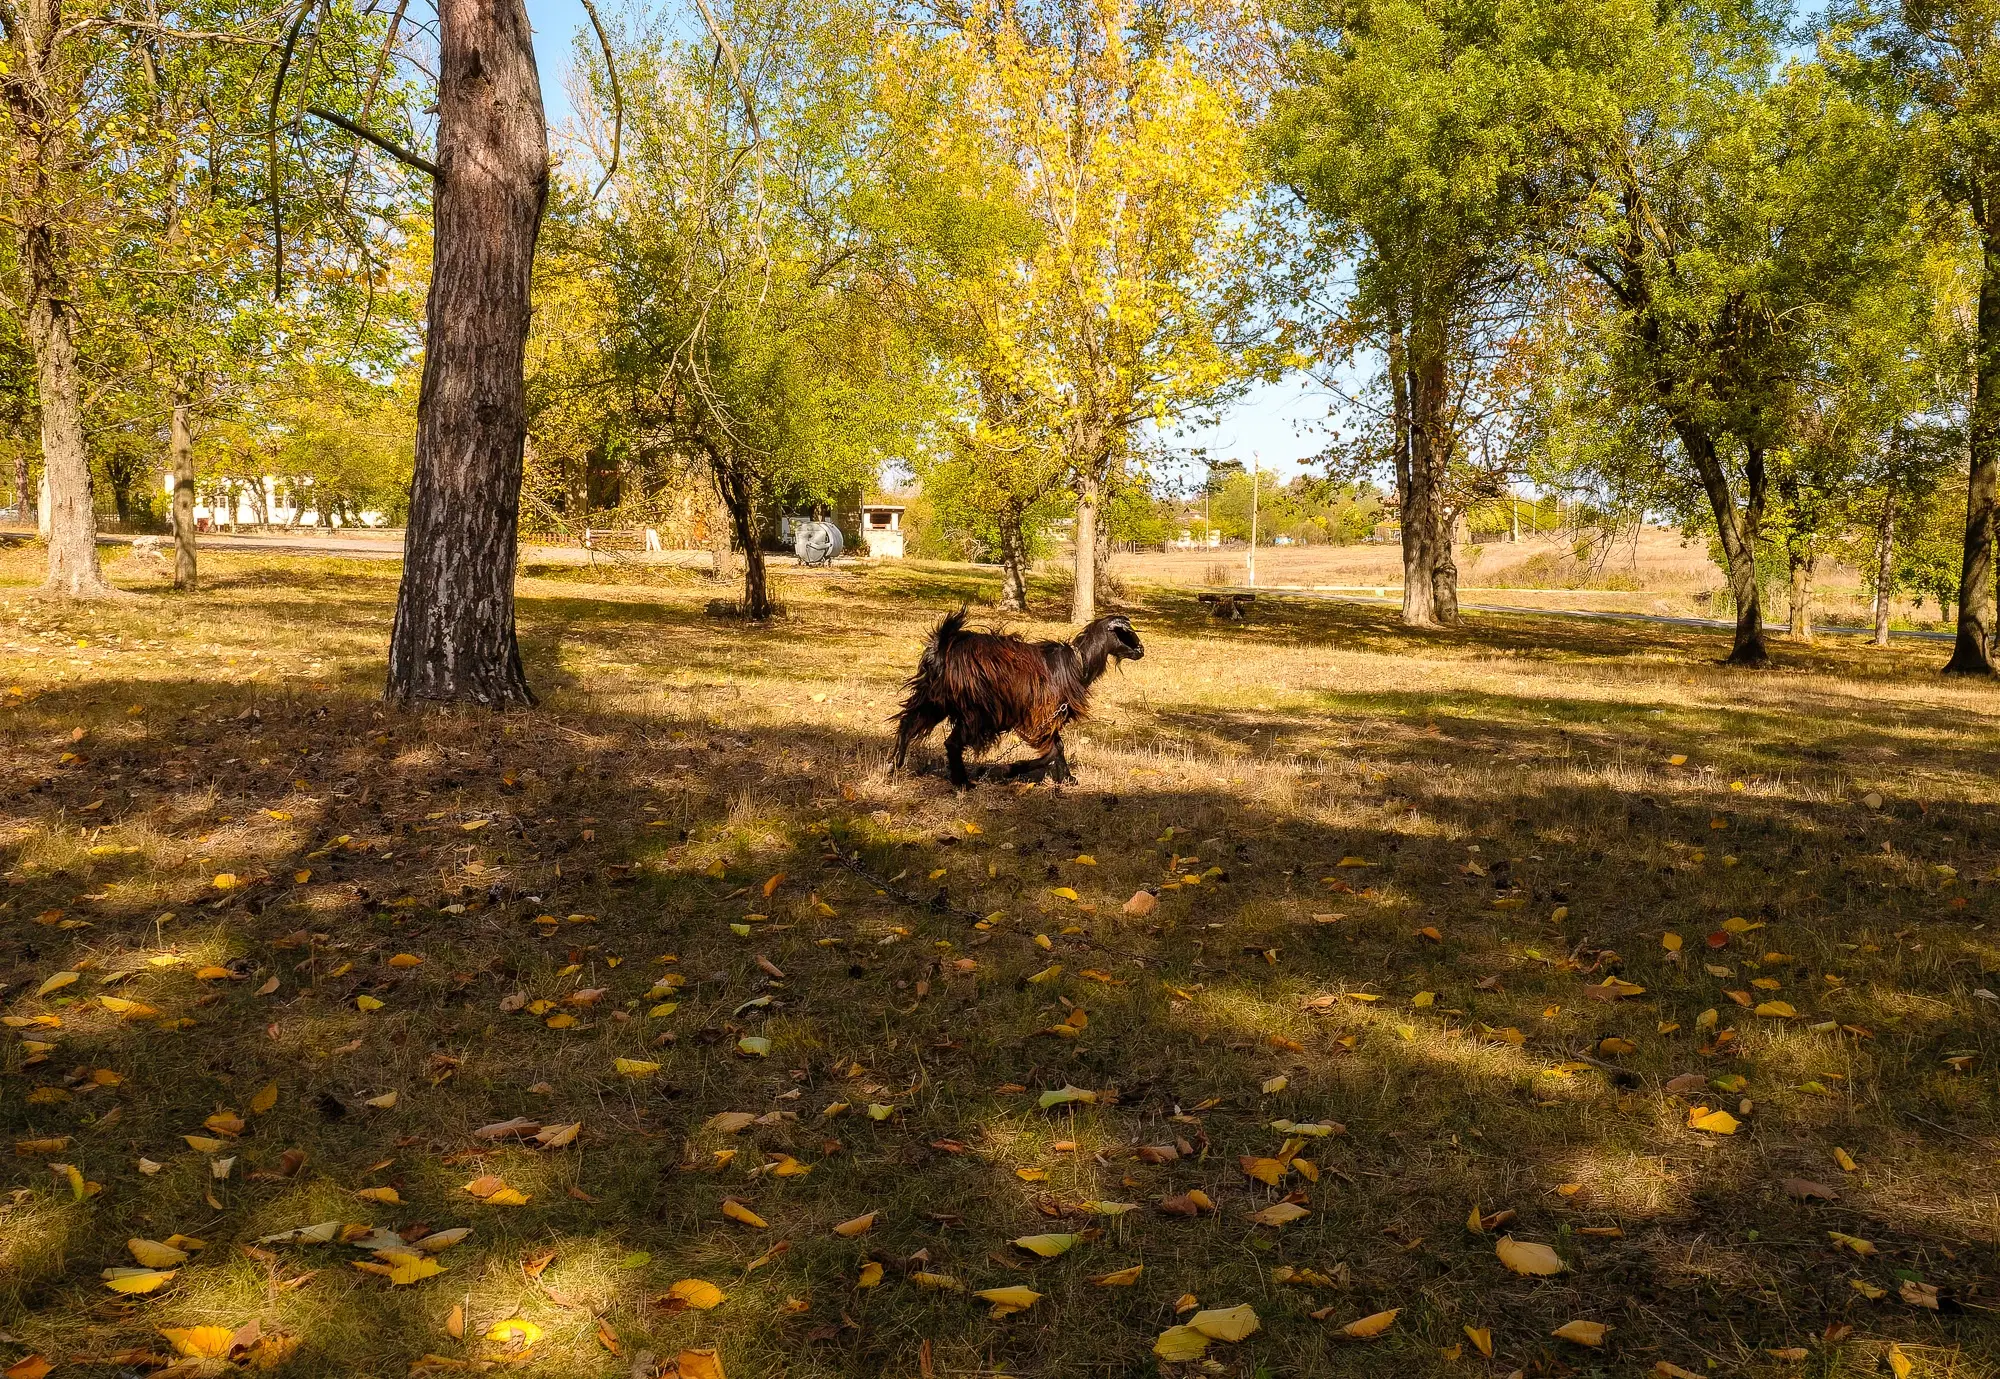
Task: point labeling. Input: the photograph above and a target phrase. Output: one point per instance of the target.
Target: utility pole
(1253, 518)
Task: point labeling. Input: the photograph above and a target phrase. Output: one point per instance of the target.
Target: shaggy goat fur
(989, 684)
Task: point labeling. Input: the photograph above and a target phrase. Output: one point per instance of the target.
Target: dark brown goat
(990, 684)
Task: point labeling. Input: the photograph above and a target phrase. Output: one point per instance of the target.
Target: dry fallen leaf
(1527, 1257)
(858, 1225)
(201, 1342)
(1007, 1301)
(1119, 1278)
(1178, 1344)
(700, 1364)
(1278, 1214)
(1582, 1333)
(695, 1293)
(1048, 1246)
(1226, 1323)
(1715, 1122)
(736, 1211)
(155, 1255)
(1373, 1325)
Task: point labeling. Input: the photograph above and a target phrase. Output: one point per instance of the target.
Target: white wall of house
(283, 513)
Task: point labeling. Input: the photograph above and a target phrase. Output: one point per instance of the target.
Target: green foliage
(728, 309)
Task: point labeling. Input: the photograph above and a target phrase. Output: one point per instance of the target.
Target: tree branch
(735, 68)
(617, 98)
(386, 144)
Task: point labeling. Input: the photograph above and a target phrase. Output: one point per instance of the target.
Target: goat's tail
(949, 629)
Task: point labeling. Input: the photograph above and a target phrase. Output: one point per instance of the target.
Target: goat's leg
(954, 755)
(915, 725)
(1059, 764)
(1035, 767)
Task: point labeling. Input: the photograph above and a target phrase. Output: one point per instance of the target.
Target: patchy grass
(703, 801)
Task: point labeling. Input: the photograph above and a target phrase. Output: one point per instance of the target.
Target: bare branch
(381, 141)
(271, 152)
(172, 35)
(735, 68)
(617, 97)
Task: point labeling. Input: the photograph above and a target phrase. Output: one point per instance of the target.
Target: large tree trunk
(180, 448)
(40, 92)
(1083, 594)
(24, 495)
(1972, 655)
(1013, 566)
(1422, 493)
(454, 637)
(1803, 558)
(721, 553)
(1444, 574)
(73, 570)
(1885, 565)
(741, 497)
(1738, 533)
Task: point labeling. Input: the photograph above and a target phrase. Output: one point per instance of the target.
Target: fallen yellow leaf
(1048, 1246)
(1582, 1333)
(155, 1255)
(1527, 1257)
(201, 1342)
(696, 1293)
(736, 1211)
(1226, 1323)
(1373, 1325)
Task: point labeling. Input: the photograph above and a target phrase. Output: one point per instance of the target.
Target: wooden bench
(1228, 607)
(634, 539)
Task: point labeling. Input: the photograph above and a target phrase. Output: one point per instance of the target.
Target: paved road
(1700, 624)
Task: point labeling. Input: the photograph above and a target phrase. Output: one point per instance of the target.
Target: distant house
(268, 501)
(871, 527)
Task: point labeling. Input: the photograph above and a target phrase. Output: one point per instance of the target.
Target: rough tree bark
(1444, 575)
(1422, 495)
(1013, 566)
(1885, 565)
(41, 87)
(721, 552)
(1802, 561)
(454, 638)
(740, 496)
(180, 447)
(24, 494)
(1083, 594)
(1738, 531)
(1972, 655)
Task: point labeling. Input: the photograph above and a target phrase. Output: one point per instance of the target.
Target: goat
(989, 684)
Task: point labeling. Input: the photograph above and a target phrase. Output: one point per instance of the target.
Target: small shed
(882, 530)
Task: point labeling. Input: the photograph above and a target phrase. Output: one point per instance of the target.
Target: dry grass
(678, 764)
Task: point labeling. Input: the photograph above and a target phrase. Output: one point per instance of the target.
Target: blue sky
(1266, 422)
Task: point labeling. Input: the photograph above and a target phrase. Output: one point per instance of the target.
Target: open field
(1407, 889)
(1657, 570)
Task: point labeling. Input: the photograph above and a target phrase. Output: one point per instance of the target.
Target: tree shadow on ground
(806, 899)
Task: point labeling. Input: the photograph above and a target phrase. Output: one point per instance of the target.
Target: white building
(279, 509)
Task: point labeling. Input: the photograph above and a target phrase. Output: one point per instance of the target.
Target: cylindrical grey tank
(816, 542)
